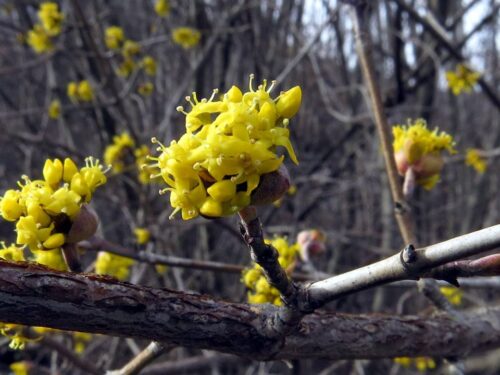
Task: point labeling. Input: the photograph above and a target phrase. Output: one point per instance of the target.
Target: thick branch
(398, 268)
(34, 295)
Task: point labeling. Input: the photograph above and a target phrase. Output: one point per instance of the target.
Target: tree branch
(34, 295)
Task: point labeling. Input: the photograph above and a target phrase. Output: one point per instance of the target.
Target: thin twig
(148, 355)
(362, 44)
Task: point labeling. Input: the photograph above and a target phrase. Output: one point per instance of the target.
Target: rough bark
(35, 295)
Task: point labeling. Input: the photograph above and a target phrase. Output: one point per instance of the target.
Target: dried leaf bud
(272, 186)
(84, 226)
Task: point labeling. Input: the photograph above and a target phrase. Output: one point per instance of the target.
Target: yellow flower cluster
(113, 265)
(474, 159)
(114, 37)
(11, 253)
(462, 79)
(162, 8)
(452, 294)
(422, 364)
(20, 368)
(130, 49)
(122, 154)
(44, 210)
(51, 19)
(116, 153)
(50, 258)
(80, 91)
(149, 65)
(144, 171)
(213, 168)
(260, 290)
(54, 109)
(81, 339)
(186, 37)
(418, 147)
(142, 235)
(39, 40)
(15, 333)
(145, 89)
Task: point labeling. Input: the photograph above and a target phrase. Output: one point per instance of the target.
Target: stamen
(271, 87)
(195, 98)
(250, 82)
(173, 213)
(213, 94)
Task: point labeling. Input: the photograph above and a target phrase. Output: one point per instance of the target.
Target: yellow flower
(474, 159)
(50, 258)
(149, 65)
(142, 235)
(144, 171)
(54, 109)
(114, 37)
(39, 40)
(145, 89)
(403, 361)
(80, 91)
(115, 154)
(113, 265)
(15, 333)
(260, 291)
(462, 79)
(213, 169)
(126, 68)
(452, 294)
(72, 91)
(20, 368)
(162, 8)
(44, 210)
(187, 37)
(422, 364)
(12, 253)
(10, 207)
(50, 18)
(80, 340)
(130, 48)
(418, 147)
(85, 91)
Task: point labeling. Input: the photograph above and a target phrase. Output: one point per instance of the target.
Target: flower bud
(10, 209)
(54, 241)
(84, 226)
(53, 171)
(222, 190)
(272, 186)
(426, 166)
(311, 242)
(234, 94)
(289, 102)
(211, 208)
(69, 169)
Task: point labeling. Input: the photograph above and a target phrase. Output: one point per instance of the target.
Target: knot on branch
(409, 257)
(401, 208)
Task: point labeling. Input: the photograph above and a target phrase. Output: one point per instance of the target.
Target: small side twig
(148, 355)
